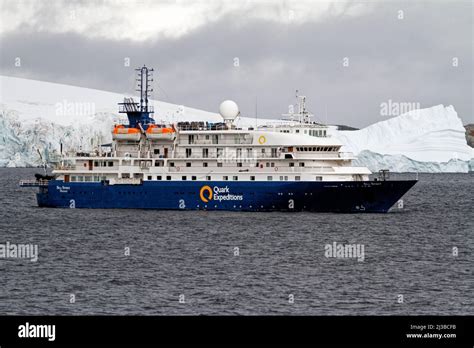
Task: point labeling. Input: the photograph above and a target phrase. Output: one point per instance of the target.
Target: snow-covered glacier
(37, 117)
(423, 140)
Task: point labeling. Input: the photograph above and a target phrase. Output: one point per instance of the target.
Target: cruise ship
(294, 165)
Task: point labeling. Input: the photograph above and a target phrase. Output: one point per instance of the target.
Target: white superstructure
(296, 151)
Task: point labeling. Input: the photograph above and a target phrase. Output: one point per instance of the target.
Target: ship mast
(302, 116)
(144, 78)
(139, 113)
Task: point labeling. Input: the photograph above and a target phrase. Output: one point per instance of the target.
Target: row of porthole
(182, 193)
(235, 207)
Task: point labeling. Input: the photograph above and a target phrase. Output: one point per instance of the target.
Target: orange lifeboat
(121, 132)
(160, 133)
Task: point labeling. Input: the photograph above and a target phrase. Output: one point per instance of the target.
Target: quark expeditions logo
(218, 193)
(205, 194)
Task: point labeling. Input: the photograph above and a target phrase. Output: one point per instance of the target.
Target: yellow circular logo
(262, 139)
(208, 190)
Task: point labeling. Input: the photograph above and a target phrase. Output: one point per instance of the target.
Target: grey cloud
(405, 60)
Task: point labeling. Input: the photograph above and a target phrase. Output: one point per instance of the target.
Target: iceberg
(423, 140)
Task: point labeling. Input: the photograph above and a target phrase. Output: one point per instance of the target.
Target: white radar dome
(229, 110)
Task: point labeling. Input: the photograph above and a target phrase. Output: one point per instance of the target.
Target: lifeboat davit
(121, 132)
(155, 132)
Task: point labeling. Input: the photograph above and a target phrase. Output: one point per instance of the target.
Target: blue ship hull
(351, 197)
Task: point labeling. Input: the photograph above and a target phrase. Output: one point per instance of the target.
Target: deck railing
(33, 183)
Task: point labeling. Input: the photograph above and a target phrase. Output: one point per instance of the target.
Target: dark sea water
(408, 252)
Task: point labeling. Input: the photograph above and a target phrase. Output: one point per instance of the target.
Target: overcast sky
(403, 51)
